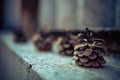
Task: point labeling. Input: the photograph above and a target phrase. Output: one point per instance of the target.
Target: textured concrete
(29, 64)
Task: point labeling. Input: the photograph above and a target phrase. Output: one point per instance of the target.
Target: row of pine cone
(86, 50)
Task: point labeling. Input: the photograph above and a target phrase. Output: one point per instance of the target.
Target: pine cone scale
(84, 59)
(88, 52)
(92, 56)
(79, 46)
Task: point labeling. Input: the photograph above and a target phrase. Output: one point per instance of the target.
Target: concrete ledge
(16, 67)
(25, 63)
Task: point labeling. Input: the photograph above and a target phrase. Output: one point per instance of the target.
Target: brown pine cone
(42, 43)
(88, 51)
(19, 36)
(65, 45)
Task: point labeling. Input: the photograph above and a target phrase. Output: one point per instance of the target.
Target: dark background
(1, 14)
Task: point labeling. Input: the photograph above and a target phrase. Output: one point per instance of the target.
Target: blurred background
(59, 14)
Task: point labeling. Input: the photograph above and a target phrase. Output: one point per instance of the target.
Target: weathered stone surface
(26, 63)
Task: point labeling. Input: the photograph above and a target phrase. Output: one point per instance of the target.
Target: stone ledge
(25, 63)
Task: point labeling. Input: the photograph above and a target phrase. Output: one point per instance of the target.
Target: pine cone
(65, 45)
(42, 43)
(88, 51)
(19, 36)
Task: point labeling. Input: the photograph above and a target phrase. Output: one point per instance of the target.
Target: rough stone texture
(25, 63)
(15, 66)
